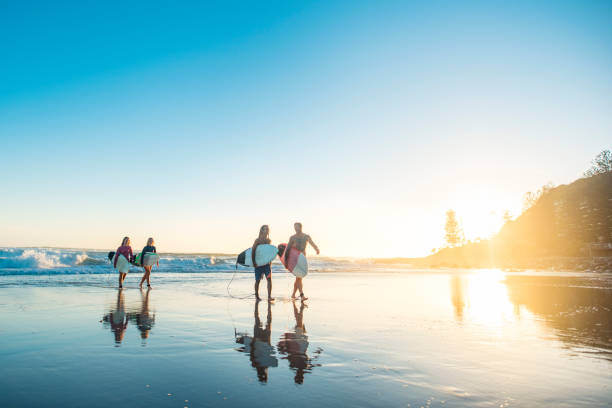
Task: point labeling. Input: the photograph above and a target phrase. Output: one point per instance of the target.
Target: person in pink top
(126, 250)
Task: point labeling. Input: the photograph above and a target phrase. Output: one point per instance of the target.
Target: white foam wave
(55, 261)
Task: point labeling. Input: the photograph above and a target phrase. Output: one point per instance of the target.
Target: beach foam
(59, 261)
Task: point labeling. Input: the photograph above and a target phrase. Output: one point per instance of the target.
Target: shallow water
(411, 338)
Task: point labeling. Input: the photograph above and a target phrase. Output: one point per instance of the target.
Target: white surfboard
(150, 259)
(265, 254)
(123, 264)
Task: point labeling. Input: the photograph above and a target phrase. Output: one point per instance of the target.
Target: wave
(57, 261)
(18, 258)
(21, 261)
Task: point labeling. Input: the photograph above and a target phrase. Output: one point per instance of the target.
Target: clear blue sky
(198, 122)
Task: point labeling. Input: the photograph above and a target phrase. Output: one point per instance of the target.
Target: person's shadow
(259, 347)
(294, 346)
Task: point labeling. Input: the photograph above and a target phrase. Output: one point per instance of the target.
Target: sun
(483, 217)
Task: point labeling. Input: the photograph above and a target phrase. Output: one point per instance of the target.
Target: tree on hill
(602, 163)
(454, 233)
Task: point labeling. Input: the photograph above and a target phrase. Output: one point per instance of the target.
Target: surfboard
(295, 263)
(123, 265)
(265, 254)
(150, 259)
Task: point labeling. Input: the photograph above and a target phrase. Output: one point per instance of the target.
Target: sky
(196, 123)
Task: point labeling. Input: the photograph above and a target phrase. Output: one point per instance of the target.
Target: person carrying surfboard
(299, 241)
(124, 250)
(147, 269)
(262, 270)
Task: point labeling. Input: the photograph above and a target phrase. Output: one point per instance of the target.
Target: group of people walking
(126, 250)
(298, 241)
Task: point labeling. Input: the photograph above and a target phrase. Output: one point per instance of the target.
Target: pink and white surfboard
(295, 263)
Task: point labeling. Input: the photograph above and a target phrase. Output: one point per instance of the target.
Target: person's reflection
(458, 296)
(260, 350)
(145, 320)
(117, 318)
(295, 344)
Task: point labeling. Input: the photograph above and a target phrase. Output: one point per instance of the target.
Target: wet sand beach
(411, 338)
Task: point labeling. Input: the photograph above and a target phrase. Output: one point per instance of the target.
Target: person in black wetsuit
(147, 269)
(299, 241)
(262, 270)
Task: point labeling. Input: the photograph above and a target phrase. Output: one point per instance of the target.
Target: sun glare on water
(485, 298)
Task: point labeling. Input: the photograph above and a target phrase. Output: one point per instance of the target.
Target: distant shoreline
(557, 263)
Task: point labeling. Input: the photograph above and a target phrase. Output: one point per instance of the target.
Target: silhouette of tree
(602, 163)
(454, 233)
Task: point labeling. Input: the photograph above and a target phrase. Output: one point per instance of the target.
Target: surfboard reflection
(294, 345)
(139, 314)
(259, 347)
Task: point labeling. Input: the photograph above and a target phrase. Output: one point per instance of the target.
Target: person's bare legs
(257, 289)
(270, 288)
(121, 279)
(147, 276)
(295, 288)
(300, 285)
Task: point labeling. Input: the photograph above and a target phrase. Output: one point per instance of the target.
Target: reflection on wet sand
(458, 295)
(259, 347)
(144, 319)
(140, 315)
(295, 345)
(117, 319)
(578, 309)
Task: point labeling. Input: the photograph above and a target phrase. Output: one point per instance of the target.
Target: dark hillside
(569, 221)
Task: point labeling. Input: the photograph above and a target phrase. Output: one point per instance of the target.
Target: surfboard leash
(230, 282)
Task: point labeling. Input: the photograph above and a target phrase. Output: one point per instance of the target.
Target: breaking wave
(57, 261)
